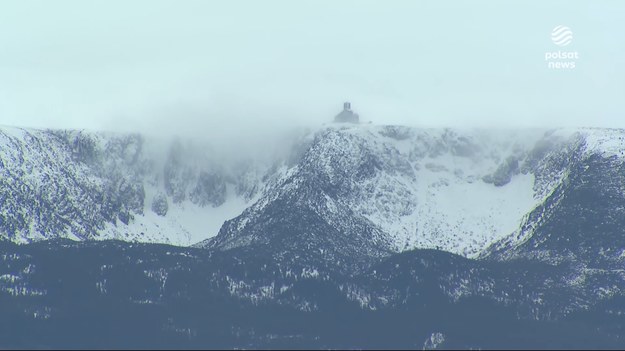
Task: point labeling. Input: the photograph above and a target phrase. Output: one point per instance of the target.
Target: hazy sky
(225, 65)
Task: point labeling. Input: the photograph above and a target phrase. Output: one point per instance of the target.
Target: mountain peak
(383, 188)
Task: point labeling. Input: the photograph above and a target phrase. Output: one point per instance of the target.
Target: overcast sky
(214, 65)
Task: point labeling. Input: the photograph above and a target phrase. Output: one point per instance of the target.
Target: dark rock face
(47, 184)
(504, 173)
(84, 149)
(210, 189)
(177, 176)
(583, 221)
(74, 184)
(160, 205)
(459, 145)
(184, 181)
(396, 132)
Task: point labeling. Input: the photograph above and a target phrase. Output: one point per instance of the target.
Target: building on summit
(347, 115)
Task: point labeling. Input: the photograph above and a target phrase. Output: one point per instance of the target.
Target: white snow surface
(446, 204)
(185, 223)
(428, 193)
(38, 158)
(441, 201)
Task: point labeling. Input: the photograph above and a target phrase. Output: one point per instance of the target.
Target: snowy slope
(458, 190)
(455, 190)
(583, 218)
(185, 224)
(85, 185)
(443, 201)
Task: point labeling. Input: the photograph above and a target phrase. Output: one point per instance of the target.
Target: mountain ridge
(459, 190)
(317, 256)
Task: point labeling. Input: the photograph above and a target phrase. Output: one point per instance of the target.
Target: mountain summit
(344, 241)
(367, 189)
(347, 115)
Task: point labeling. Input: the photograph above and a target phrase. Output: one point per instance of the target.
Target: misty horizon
(230, 67)
(312, 174)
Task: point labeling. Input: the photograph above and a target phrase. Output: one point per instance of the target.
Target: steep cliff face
(66, 184)
(370, 190)
(85, 185)
(404, 188)
(583, 219)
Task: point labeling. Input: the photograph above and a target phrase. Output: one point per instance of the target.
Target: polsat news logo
(561, 60)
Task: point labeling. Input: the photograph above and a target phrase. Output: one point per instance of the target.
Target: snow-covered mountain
(368, 189)
(583, 219)
(303, 245)
(403, 188)
(85, 185)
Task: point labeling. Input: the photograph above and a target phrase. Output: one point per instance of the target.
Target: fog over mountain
(227, 67)
(312, 174)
